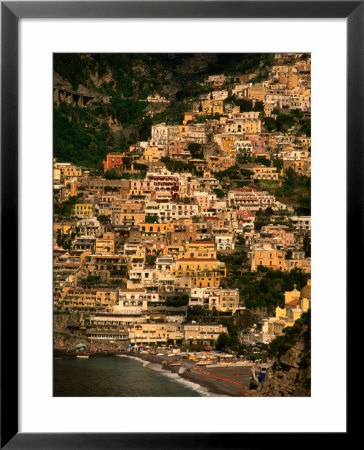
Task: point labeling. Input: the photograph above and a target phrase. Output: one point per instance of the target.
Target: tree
(195, 150)
(307, 245)
(112, 174)
(150, 260)
(151, 219)
(222, 342)
(219, 193)
(103, 219)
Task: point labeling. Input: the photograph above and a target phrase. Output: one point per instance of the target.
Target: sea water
(112, 376)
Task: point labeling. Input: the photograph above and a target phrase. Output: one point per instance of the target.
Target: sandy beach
(227, 381)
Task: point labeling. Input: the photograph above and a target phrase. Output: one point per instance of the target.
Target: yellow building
(229, 300)
(212, 107)
(106, 244)
(199, 249)
(63, 227)
(265, 173)
(203, 272)
(56, 175)
(188, 117)
(83, 298)
(65, 171)
(269, 257)
(204, 334)
(226, 142)
(83, 210)
(149, 229)
(257, 92)
(296, 303)
(301, 166)
(183, 131)
(127, 218)
(152, 154)
(155, 333)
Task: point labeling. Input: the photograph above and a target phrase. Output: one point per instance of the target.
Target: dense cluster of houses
(135, 252)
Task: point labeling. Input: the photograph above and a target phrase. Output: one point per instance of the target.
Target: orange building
(113, 160)
(269, 257)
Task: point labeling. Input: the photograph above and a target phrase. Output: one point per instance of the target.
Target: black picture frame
(11, 12)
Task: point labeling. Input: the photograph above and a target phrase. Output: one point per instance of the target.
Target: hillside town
(199, 238)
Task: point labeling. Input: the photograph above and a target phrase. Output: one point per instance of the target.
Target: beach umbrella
(79, 346)
(129, 346)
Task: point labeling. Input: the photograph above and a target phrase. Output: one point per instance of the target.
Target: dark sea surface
(112, 376)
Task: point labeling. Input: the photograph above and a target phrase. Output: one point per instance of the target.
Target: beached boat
(204, 363)
(84, 356)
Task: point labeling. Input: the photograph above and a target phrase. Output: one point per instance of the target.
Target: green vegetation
(149, 218)
(307, 245)
(296, 190)
(65, 240)
(285, 121)
(177, 300)
(65, 208)
(219, 193)
(231, 172)
(180, 166)
(75, 142)
(263, 218)
(245, 105)
(104, 220)
(195, 150)
(264, 288)
(114, 174)
(150, 259)
(237, 63)
(90, 280)
(301, 330)
(85, 135)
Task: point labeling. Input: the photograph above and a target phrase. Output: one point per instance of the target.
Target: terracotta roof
(294, 302)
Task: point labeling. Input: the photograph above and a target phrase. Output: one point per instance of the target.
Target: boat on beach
(83, 356)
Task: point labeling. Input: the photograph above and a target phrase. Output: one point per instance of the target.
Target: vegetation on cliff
(290, 374)
(85, 135)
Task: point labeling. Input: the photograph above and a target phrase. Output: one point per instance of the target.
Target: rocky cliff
(290, 375)
(66, 331)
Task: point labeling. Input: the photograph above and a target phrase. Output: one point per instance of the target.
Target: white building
(224, 242)
(301, 222)
(163, 133)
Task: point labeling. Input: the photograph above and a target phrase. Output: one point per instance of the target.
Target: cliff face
(290, 375)
(65, 338)
(287, 378)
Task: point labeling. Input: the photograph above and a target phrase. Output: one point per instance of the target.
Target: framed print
(159, 189)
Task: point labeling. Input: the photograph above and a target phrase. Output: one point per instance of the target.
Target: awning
(80, 346)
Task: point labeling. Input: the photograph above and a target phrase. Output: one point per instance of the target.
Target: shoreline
(222, 381)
